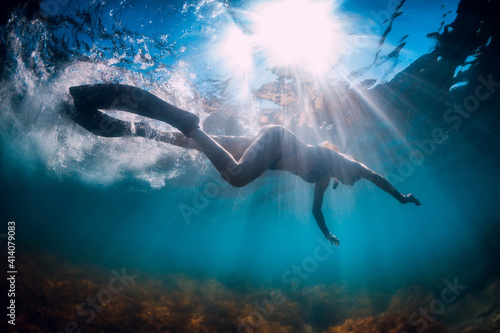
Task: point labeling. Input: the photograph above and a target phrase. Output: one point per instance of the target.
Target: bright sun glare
(299, 33)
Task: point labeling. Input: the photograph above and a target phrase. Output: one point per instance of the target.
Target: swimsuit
(321, 168)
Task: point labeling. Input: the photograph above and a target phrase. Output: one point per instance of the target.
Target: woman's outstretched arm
(384, 184)
(319, 191)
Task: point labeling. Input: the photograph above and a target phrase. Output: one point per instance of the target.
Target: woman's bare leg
(235, 145)
(264, 151)
(177, 139)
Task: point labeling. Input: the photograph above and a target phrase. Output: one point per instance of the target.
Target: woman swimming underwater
(239, 159)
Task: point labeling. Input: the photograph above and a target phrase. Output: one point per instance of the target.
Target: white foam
(36, 129)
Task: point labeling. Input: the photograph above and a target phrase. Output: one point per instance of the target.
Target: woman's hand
(334, 240)
(410, 198)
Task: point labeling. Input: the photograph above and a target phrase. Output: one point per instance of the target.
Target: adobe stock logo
(436, 307)
(294, 278)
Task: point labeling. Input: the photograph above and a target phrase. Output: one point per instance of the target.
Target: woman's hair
(330, 145)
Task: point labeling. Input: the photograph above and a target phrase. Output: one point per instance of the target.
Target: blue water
(111, 203)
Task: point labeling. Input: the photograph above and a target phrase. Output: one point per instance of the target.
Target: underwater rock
(477, 311)
(408, 299)
(55, 292)
(389, 323)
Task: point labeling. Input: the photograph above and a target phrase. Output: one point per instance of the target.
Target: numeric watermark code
(11, 272)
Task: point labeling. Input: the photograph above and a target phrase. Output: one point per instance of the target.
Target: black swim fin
(89, 98)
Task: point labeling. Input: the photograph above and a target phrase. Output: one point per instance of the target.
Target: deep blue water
(110, 203)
